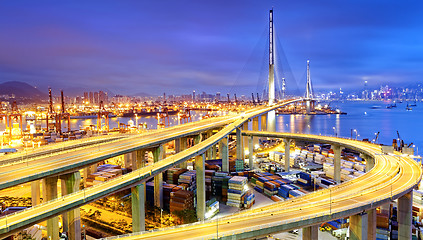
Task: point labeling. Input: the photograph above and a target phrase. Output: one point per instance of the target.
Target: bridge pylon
(309, 91)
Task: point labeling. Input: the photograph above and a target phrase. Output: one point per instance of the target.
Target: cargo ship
(143, 112)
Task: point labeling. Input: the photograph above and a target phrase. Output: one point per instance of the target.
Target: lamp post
(417, 148)
(334, 132)
(356, 134)
(330, 201)
(161, 217)
(217, 226)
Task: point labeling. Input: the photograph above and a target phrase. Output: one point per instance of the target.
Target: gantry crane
(15, 116)
(102, 112)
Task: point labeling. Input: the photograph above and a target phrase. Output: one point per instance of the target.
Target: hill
(21, 90)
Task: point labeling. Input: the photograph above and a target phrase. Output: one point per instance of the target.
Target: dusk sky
(180, 46)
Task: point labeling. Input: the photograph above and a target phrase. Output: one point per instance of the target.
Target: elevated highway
(391, 177)
(19, 173)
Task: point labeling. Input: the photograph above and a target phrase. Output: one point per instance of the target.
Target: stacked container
(220, 183)
(167, 190)
(173, 175)
(188, 180)
(181, 200)
(149, 190)
(209, 174)
(237, 188)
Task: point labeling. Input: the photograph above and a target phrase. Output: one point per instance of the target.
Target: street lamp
(217, 226)
(334, 132)
(330, 201)
(414, 146)
(161, 217)
(356, 134)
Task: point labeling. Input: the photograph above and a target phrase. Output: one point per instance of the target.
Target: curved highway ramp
(391, 177)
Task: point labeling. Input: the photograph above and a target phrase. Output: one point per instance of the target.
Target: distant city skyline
(176, 47)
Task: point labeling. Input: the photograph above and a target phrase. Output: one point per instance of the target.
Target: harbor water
(363, 120)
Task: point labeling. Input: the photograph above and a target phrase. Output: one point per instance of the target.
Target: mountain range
(21, 90)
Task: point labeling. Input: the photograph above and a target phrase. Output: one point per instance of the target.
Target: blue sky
(180, 46)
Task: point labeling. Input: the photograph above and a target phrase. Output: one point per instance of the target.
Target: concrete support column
(251, 152)
(358, 226)
(158, 154)
(263, 122)
(197, 139)
(371, 227)
(201, 186)
(271, 121)
(138, 207)
(35, 192)
(177, 145)
(209, 151)
(87, 171)
(50, 193)
(311, 232)
(138, 195)
(214, 152)
(182, 146)
(370, 162)
(386, 209)
(223, 150)
(127, 160)
(244, 140)
(337, 163)
(287, 154)
(256, 124)
(71, 219)
(239, 148)
(138, 159)
(405, 216)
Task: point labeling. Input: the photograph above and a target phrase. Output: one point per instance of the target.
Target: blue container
(258, 189)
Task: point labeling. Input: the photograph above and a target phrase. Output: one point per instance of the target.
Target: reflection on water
(360, 116)
(114, 122)
(366, 121)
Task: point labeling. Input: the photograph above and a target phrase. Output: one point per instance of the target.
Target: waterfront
(367, 117)
(151, 121)
(364, 119)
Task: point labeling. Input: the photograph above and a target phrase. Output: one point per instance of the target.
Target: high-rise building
(96, 98)
(193, 96)
(103, 97)
(86, 97)
(91, 100)
(218, 96)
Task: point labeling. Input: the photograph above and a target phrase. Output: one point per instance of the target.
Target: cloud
(156, 46)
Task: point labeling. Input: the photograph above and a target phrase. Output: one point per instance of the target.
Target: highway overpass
(391, 178)
(69, 162)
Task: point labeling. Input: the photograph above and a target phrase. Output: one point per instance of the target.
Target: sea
(364, 119)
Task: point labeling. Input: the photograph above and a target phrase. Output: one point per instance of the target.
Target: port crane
(185, 115)
(51, 117)
(162, 116)
(3, 113)
(376, 137)
(15, 116)
(63, 115)
(102, 112)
